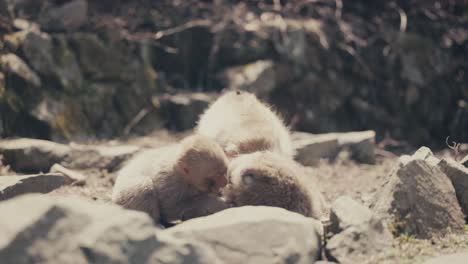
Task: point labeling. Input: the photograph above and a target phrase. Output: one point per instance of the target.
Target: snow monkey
(242, 124)
(267, 178)
(176, 182)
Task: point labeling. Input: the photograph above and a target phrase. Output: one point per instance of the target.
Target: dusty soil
(342, 177)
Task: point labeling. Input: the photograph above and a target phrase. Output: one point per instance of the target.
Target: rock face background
(77, 69)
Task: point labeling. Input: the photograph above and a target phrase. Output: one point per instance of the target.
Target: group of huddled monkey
(240, 154)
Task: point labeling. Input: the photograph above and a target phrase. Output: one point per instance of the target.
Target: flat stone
(458, 258)
(256, 234)
(310, 148)
(76, 177)
(32, 155)
(11, 186)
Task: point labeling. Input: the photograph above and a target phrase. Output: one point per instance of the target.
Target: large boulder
(358, 232)
(52, 57)
(417, 190)
(97, 60)
(458, 174)
(37, 228)
(11, 186)
(256, 234)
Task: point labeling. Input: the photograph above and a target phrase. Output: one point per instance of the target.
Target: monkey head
(266, 178)
(203, 164)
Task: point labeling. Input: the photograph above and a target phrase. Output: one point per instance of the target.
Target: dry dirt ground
(342, 177)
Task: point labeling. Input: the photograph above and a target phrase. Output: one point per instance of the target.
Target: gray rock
(361, 144)
(32, 155)
(97, 60)
(357, 242)
(458, 174)
(458, 258)
(310, 148)
(102, 157)
(71, 230)
(68, 16)
(358, 233)
(76, 177)
(416, 191)
(53, 59)
(13, 64)
(75, 230)
(256, 234)
(11, 186)
(257, 77)
(183, 109)
(346, 212)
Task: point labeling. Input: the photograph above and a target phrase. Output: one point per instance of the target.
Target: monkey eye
(248, 179)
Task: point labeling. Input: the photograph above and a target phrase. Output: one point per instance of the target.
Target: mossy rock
(52, 57)
(97, 60)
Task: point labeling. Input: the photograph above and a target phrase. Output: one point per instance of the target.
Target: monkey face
(260, 178)
(204, 164)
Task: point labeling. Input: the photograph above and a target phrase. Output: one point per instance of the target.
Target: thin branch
(339, 8)
(403, 19)
(143, 112)
(180, 28)
(454, 146)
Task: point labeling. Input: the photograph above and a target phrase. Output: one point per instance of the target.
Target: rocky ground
(352, 171)
(84, 72)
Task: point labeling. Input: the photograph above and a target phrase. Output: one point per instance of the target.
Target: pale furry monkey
(242, 124)
(266, 178)
(176, 182)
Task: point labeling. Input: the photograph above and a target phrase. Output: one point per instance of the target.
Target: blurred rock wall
(80, 69)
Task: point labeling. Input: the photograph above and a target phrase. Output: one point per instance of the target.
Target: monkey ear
(248, 179)
(186, 170)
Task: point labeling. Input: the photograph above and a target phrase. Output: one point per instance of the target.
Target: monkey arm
(201, 205)
(140, 197)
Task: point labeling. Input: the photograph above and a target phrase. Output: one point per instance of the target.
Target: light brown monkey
(175, 182)
(266, 178)
(242, 124)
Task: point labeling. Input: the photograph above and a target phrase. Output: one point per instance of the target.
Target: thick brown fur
(176, 182)
(266, 178)
(242, 124)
